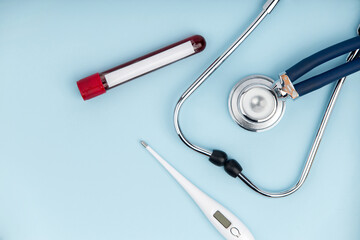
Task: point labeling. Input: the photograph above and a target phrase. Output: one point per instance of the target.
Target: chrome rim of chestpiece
(254, 105)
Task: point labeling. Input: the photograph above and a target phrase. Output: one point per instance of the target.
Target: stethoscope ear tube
(315, 60)
(316, 82)
(325, 78)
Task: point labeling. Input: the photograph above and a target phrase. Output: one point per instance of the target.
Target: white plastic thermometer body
(223, 220)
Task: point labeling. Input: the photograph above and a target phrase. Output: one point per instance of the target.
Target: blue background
(71, 169)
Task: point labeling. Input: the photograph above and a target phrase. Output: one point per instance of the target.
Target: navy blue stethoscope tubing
(325, 78)
(315, 60)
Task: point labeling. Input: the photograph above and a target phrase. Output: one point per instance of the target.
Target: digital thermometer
(223, 220)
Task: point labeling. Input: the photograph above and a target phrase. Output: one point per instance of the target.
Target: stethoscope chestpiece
(254, 104)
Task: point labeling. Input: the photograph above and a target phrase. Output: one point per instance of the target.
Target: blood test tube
(98, 83)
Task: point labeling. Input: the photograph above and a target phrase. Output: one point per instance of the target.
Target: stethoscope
(257, 102)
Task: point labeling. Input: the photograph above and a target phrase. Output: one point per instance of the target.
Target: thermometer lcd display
(222, 219)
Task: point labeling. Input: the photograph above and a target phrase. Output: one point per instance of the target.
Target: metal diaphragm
(254, 105)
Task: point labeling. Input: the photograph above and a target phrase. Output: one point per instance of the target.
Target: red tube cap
(91, 86)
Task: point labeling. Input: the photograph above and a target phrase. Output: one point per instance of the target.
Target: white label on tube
(149, 64)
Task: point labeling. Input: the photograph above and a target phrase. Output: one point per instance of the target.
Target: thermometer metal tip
(144, 144)
(222, 219)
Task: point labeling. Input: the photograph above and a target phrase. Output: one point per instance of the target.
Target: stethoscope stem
(267, 8)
